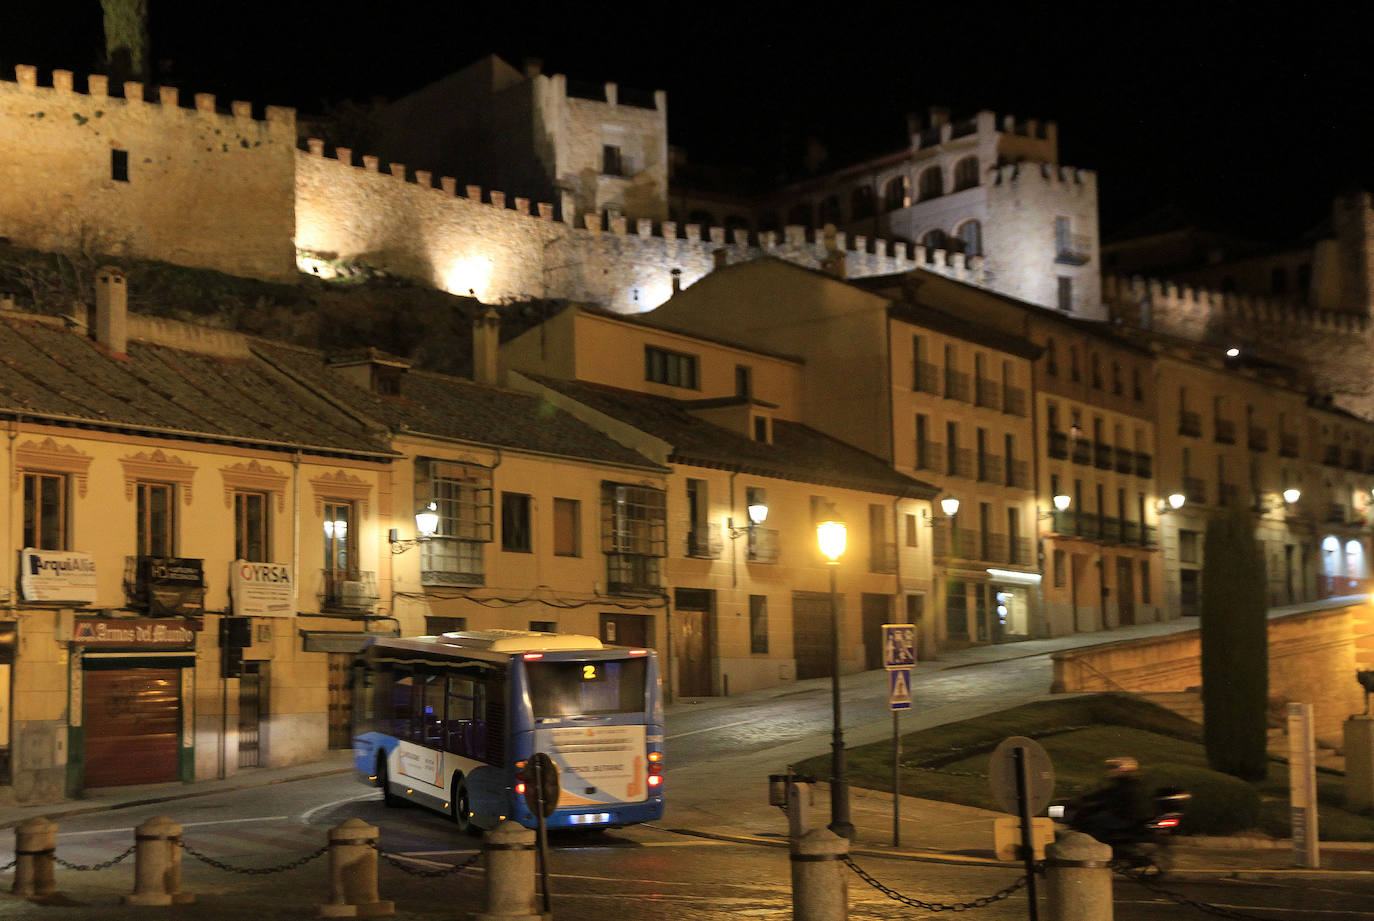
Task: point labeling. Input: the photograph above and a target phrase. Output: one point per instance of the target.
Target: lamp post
(830, 535)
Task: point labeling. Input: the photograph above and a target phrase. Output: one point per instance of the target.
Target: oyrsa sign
(58, 575)
(262, 589)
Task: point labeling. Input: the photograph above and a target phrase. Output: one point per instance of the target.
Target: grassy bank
(950, 763)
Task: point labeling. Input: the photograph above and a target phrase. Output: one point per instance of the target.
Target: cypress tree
(1235, 648)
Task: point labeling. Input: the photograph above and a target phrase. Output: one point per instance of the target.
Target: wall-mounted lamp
(1061, 504)
(1173, 503)
(1291, 496)
(758, 514)
(949, 505)
(426, 525)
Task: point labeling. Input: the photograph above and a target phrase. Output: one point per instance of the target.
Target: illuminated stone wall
(117, 174)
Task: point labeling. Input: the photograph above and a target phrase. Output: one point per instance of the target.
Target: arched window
(861, 202)
(897, 193)
(931, 184)
(966, 173)
(971, 236)
(830, 210)
(800, 214)
(933, 240)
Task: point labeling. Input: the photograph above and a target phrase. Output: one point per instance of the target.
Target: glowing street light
(830, 537)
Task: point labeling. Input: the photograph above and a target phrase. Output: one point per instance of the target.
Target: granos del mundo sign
(134, 632)
(262, 589)
(57, 575)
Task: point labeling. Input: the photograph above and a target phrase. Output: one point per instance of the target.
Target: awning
(338, 640)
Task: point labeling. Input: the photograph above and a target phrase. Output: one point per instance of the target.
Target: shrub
(1221, 804)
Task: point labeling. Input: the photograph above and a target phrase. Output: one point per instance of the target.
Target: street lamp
(830, 535)
(758, 514)
(426, 526)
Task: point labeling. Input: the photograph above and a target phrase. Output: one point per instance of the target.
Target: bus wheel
(384, 781)
(461, 809)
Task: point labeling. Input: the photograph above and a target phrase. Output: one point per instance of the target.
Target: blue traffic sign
(899, 689)
(899, 645)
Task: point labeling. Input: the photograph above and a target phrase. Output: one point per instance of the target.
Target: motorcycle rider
(1116, 813)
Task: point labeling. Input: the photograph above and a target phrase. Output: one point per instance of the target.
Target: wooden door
(251, 691)
(625, 630)
(811, 633)
(132, 720)
(877, 610)
(691, 649)
(340, 701)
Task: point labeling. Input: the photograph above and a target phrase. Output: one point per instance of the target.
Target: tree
(126, 38)
(1235, 647)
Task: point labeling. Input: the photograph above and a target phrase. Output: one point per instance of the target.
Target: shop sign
(262, 589)
(57, 575)
(175, 586)
(126, 632)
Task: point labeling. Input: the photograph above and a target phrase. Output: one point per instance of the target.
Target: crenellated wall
(1332, 347)
(121, 174)
(479, 241)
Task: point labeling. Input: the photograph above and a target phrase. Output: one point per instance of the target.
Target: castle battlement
(1048, 173)
(136, 94)
(940, 130)
(1170, 302)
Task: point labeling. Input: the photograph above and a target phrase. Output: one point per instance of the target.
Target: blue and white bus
(449, 722)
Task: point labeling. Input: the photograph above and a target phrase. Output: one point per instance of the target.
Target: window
(924, 458)
(912, 530)
(1065, 293)
(436, 626)
(339, 537)
(1063, 235)
(250, 526)
(567, 527)
(672, 368)
(515, 523)
(862, 202)
(462, 497)
(119, 165)
(1137, 391)
(1096, 365)
(1014, 535)
(1117, 387)
(698, 515)
(761, 429)
(634, 525)
(1074, 374)
(45, 511)
(1051, 359)
(897, 193)
(830, 210)
(744, 382)
(966, 173)
(155, 512)
(1187, 546)
(543, 626)
(933, 240)
(758, 624)
(971, 238)
(762, 541)
(611, 163)
(931, 184)
(1060, 577)
(1145, 582)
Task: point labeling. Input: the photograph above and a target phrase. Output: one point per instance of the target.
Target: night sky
(1249, 115)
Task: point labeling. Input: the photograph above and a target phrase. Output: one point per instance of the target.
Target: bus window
(586, 688)
(399, 706)
(430, 725)
(460, 710)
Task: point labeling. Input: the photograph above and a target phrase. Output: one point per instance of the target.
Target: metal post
(839, 777)
(542, 831)
(1027, 840)
(896, 782)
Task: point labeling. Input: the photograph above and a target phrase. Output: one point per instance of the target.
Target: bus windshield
(587, 688)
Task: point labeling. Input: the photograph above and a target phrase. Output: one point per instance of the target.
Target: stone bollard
(1079, 884)
(35, 844)
(157, 864)
(353, 873)
(820, 890)
(508, 850)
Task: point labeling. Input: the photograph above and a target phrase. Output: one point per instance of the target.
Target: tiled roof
(797, 453)
(49, 371)
(452, 408)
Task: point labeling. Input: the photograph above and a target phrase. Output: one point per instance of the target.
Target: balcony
(165, 586)
(926, 378)
(704, 541)
(451, 561)
(988, 394)
(1133, 532)
(955, 543)
(961, 463)
(1335, 513)
(1019, 550)
(991, 469)
(1058, 445)
(1258, 439)
(1189, 423)
(1073, 249)
(993, 548)
(1111, 530)
(1075, 524)
(347, 591)
(1082, 451)
(1195, 490)
(763, 545)
(882, 557)
(1224, 431)
(633, 574)
(1018, 474)
(1144, 465)
(1228, 494)
(1331, 456)
(928, 456)
(957, 386)
(1013, 400)
(1102, 455)
(1125, 460)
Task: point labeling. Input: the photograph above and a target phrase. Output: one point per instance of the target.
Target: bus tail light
(655, 769)
(520, 777)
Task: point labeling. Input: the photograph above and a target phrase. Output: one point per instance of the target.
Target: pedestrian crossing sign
(899, 689)
(899, 645)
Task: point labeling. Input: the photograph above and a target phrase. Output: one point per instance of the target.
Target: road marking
(106, 831)
(306, 816)
(683, 735)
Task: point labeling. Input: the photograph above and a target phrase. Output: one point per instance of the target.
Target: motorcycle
(1144, 846)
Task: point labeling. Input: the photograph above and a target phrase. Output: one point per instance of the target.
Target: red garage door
(133, 726)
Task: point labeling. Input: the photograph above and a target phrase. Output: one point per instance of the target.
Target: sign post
(541, 795)
(1022, 781)
(1302, 785)
(899, 655)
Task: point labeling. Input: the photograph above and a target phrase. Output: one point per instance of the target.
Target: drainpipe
(12, 432)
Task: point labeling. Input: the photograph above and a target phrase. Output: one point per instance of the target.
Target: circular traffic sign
(542, 782)
(1039, 775)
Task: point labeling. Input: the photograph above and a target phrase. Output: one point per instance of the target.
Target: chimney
(112, 310)
(486, 335)
(677, 280)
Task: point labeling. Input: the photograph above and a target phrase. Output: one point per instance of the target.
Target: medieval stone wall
(119, 174)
